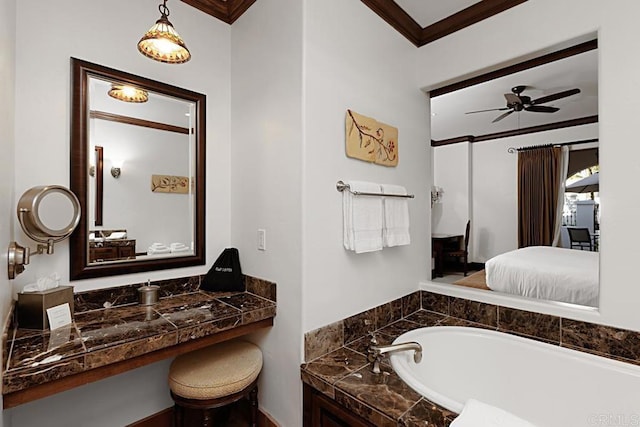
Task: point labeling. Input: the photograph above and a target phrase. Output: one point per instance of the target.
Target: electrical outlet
(262, 239)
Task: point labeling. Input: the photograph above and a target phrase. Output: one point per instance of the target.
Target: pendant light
(162, 42)
(128, 93)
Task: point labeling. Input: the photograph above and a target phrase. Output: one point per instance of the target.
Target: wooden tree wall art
(170, 184)
(369, 140)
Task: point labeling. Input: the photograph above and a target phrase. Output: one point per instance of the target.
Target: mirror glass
(475, 177)
(56, 211)
(138, 170)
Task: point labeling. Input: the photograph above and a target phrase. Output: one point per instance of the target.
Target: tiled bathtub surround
(102, 336)
(336, 353)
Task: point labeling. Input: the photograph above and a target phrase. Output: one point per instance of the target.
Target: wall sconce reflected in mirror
(436, 195)
(115, 172)
(40, 210)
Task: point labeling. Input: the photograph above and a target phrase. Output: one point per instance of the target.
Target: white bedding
(544, 272)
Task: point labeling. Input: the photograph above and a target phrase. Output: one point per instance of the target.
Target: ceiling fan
(518, 102)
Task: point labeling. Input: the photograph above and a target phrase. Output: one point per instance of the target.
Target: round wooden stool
(214, 377)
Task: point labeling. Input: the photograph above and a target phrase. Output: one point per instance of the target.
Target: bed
(548, 273)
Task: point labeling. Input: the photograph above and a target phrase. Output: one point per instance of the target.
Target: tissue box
(32, 306)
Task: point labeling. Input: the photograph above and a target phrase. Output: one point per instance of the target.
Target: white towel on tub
(362, 217)
(479, 414)
(396, 217)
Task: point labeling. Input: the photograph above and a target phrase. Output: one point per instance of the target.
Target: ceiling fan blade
(512, 98)
(502, 116)
(542, 109)
(555, 96)
(484, 111)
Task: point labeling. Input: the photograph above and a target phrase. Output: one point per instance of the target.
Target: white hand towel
(396, 217)
(479, 414)
(362, 226)
(158, 248)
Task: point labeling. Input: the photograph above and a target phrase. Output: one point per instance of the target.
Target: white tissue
(43, 283)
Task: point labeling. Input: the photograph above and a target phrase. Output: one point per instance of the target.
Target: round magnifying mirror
(48, 213)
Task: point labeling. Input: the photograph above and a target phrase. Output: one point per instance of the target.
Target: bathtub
(544, 384)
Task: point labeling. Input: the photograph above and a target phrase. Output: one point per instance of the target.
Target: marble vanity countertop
(345, 376)
(103, 337)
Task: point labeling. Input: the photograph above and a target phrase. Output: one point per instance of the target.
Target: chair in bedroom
(462, 253)
(580, 238)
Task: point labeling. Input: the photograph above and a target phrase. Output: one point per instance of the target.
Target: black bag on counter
(225, 274)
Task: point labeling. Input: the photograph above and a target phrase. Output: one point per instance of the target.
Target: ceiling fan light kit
(517, 102)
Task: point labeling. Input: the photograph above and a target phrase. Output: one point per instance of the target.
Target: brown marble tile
(336, 365)
(318, 384)
(601, 339)
(474, 311)
(435, 302)
(45, 348)
(204, 329)
(188, 314)
(374, 416)
(36, 375)
(398, 328)
(173, 287)
(454, 321)
(259, 314)
(411, 303)
(359, 325)
(262, 288)
(117, 325)
(96, 299)
(128, 350)
(426, 318)
(385, 391)
(388, 313)
(245, 302)
(362, 345)
(427, 414)
(529, 323)
(323, 340)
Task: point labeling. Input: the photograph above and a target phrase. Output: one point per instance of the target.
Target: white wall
(486, 44)
(452, 169)
(354, 60)
(100, 33)
(495, 188)
(266, 183)
(7, 91)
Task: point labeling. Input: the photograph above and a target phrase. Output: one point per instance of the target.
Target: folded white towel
(179, 247)
(117, 235)
(158, 248)
(396, 217)
(362, 218)
(479, 414)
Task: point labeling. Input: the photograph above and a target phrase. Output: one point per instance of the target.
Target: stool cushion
(216, 371)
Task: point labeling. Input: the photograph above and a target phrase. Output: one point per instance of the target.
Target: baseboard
(164, 418)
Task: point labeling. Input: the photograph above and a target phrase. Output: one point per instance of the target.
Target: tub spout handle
(375, 353)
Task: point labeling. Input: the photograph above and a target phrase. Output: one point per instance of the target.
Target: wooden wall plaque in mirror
(143, 206)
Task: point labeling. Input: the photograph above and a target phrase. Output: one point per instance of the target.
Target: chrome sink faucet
(376, 352)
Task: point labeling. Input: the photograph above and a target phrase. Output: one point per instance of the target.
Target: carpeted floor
(477, 280)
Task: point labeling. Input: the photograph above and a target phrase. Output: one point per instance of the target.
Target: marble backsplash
(128, 294)
(337, 366)
(605, 341)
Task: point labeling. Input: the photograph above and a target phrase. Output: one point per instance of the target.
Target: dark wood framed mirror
(152, 174)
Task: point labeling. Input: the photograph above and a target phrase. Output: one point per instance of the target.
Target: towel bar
(341, 186)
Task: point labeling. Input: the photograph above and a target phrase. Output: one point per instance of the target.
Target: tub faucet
(376, 352)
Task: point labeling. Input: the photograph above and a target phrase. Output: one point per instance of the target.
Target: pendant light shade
(128, 93)
(162, 42)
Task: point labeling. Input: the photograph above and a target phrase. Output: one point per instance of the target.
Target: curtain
(540, 179)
